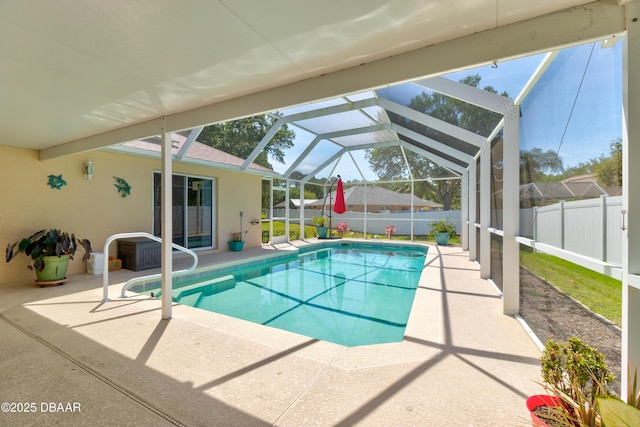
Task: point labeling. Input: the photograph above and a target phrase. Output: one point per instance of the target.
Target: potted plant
(575, 374)
(236, 243)
(390, 231)
(50, 252)
(442, 230)
(617, 412)
(342, 228)
(320, 223)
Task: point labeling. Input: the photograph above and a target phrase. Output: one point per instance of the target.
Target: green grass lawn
(602, 294)
(311, 231)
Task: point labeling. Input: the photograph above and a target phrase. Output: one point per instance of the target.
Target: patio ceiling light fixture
(88, 169)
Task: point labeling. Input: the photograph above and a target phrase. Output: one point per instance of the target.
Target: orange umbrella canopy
(339, 207)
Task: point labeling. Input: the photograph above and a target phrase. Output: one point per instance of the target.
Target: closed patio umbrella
(339, 207)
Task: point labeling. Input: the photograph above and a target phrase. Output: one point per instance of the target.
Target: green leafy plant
(576, 373)
(633, 395)
(236, 236)
(318, 221)
(615, 412)
(43, 243)
(443, 226)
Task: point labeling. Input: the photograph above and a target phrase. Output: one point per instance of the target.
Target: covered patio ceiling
(84, 76)
(330, 131)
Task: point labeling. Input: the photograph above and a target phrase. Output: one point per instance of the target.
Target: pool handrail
(105, 273)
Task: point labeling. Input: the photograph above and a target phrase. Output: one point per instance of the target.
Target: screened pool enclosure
(383, 95)
(513, 139)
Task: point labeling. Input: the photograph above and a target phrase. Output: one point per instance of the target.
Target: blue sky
(548, 122)
(575, 109)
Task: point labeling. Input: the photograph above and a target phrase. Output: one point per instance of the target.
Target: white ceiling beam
(428, 142)
(406, 162)
(545, 63)
(447, 164)
(302, 156)
(329, 136)
(141, 130)
(132, 151)
(324, 164)
(263, 143)
(472, 95)
(595, 21)
(494, 133)
(195, 132)
(356, 165)
(429, 121)
(327, 111)
(354, 131)
(377, 144)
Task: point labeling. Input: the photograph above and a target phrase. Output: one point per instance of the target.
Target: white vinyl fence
(591, 228)
(376, 223)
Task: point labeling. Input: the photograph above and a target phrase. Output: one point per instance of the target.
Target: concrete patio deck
(73, 360)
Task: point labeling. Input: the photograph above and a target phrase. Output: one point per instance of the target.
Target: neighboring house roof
(614, 191)
(587, 177)
(197, 151)
(591, 178)
(378, 196)
(561, 190)
(295, 203)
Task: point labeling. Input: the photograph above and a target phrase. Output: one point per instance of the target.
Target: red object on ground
(540, 400)
(339, 207)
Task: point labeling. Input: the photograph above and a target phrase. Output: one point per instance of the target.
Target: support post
(631, 199)
(302, 213)
(511, 212)
(473, 194)
(167, 221)
(464, 211)
(286, 210)
(561, 222)
(485, 211)
(603, 225)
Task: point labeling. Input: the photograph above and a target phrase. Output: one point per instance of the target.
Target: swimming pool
(347, 293)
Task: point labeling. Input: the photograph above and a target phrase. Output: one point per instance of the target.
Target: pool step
(189, 295)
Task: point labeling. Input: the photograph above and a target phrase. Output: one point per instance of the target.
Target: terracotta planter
(54, 269)
(540, 400)
(236, 246)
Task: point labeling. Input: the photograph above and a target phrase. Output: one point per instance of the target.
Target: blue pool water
(350, 294)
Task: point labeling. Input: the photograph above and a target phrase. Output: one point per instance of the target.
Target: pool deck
(76, 360)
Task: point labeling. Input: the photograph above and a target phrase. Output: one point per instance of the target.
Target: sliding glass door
(193, 210)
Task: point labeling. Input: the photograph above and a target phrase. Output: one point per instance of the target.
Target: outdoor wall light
(88, 169)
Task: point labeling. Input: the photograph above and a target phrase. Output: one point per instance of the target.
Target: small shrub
(443, 226)
(576, 373)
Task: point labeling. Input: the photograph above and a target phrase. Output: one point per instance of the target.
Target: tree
(240, 137)
(608, 170)
(582, 168)
(386, 164)
(537, 165)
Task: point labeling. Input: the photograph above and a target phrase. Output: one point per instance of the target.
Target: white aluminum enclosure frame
(591, 22)
(631, 196)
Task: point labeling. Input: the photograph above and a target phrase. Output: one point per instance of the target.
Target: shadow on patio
(461, 362)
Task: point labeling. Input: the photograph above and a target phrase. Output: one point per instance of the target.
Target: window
(192, 210)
